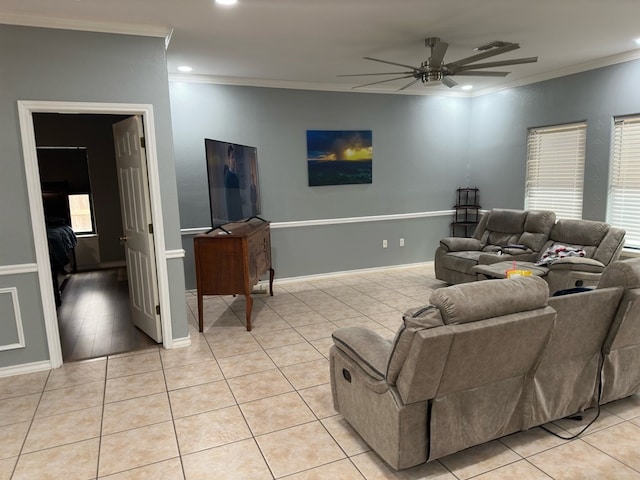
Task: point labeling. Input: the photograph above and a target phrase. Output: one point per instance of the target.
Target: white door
(137, 234)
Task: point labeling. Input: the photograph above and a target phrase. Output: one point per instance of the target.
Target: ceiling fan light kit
(434, 71)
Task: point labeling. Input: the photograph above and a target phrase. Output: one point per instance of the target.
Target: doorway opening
(28, 113)
(82, 208)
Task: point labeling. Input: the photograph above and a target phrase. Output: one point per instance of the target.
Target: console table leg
(248, 311)
(200, 314)
(272, 273)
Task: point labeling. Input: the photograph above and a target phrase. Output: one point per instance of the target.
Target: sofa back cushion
(470, 302)
(610, 247)
(537, 228)
(503, 227)
(582, 234)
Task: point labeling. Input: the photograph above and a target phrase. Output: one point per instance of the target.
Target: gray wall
(424, 148)
(420, 155)
(500, 121)
(48, 64)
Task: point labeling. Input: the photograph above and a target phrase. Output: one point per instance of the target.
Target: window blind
(623, 205)
(555, 169)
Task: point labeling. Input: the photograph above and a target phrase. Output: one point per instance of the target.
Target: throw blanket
(556, 252)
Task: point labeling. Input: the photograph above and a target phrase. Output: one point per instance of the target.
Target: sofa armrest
(458, 244)
(577, 264)
(365, 347)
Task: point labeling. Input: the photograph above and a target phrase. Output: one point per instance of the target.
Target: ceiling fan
(434, 71)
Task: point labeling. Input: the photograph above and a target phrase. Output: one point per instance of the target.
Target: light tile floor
(257, 405)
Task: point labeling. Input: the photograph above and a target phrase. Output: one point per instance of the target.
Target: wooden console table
(231, 261)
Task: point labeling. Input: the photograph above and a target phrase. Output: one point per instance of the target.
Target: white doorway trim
(26, 109)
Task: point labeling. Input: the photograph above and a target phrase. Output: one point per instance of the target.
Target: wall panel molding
(19, 269)
(20, 343)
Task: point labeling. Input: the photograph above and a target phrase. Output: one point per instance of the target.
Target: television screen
(232, 171)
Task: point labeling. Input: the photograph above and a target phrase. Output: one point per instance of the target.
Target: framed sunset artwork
(339, 157)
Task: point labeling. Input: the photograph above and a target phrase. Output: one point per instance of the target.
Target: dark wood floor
(94, 318)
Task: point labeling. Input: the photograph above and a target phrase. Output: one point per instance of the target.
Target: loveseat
(486, 359)
(576, 254)
(501, 234)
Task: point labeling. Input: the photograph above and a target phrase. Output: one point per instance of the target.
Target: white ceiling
(307, 43)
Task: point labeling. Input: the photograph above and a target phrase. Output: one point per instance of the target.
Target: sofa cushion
(507, 221)
(610, 246)
(503, 227)
(579, 233)
(470, 302)
(536, 229)
(588, 265)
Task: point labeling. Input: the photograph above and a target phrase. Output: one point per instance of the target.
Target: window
(623, 206)
(555, 169)
(80, 209)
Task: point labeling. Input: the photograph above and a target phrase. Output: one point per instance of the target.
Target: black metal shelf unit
(466, 212)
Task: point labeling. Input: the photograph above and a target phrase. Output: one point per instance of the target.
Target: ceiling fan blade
(365, 74)
(383, 81)
(482, 73)
(408, 85)
(390, 63)
(437, 53)
(449, 82)
(479, 56)
(502, 63)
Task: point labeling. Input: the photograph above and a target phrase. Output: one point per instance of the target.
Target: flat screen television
(232, 171)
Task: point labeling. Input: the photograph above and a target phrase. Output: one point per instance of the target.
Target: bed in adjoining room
(61, 238)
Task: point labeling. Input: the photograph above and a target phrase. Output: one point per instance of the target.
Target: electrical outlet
(385, 244)
(402, 242)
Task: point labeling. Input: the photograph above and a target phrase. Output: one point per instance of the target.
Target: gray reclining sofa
(500, 235)
(487, 359)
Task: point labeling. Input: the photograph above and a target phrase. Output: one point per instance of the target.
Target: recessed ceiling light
(184, 68)
(466, 87)
(637, 40)
(226, 2)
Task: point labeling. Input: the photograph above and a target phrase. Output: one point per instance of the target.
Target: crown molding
(563, 72)
(325, 87)
(329, 87)
(85, 25)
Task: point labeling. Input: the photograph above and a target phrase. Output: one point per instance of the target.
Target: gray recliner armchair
(500, 235)
(454, 376)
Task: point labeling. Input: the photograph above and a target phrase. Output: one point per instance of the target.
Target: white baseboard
(181, 342)
(25, 368)
(323, 276)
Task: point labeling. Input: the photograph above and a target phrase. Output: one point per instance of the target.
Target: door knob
(123, 239)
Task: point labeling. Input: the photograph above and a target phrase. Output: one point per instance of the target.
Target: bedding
(62, 240)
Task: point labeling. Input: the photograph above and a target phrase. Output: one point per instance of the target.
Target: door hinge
(151, 228)
(157, 309)
(142, 143)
